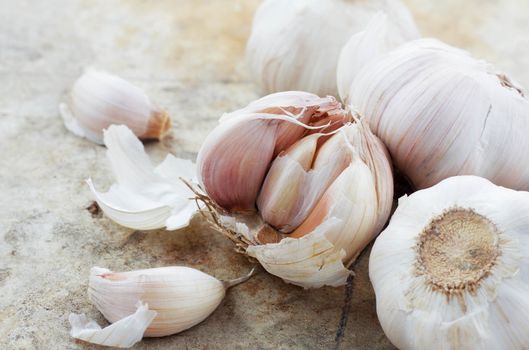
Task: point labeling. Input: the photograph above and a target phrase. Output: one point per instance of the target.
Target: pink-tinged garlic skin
(234, 160)
(322, 199)
(235, 157)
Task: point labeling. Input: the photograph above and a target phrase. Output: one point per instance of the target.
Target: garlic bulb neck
(456, 250)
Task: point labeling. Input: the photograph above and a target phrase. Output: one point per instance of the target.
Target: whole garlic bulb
(442, 113)
(159, 302)
(294, 45)
(297, 185)
(451, 270)
(98, 99)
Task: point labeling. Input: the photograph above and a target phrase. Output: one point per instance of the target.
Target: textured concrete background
(188, 56)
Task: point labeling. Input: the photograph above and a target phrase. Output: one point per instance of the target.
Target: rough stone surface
(188, 56)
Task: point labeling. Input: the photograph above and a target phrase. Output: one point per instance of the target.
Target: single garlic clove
(145, 197)
(451, 270)
(252, 136)
(443, 113)
(149, 303)
(98, 99)
(295, 45)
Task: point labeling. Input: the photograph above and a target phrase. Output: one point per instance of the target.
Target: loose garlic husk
(294, 45)
(98, 99)
(323, 181)
(451, 270)
(158, 302)
(442, 113)
(144, 197)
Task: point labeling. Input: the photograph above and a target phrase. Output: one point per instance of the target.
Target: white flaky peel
(442, 113)
(451, 270)
(148, 303)
(320, 196)
(295, 45)
(99, 99)
(122, 334)
(145, 197)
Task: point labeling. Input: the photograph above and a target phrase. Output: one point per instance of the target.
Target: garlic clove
(145, 197)
(122, 334)
(178, 298)
(452, 265)
(295, 45)
(252, 136)
(98, 99)
(350, 198)
(293, 186)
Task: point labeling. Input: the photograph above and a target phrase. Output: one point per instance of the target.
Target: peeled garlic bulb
(451, 270)
(294, 45)
(176, 298)
(98, 99)
(320, 196)
(442, 113)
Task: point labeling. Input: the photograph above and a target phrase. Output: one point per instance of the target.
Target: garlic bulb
(362, 48)
(296, 185)
(451, 270)
(98, 100)
(294, 45)
(442, 113)
(176, 298)
(145, 197)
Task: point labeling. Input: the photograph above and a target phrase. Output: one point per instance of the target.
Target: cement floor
(189, 56)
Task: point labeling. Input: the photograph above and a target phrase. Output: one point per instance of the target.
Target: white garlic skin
(443, 113)
(492, 314)
(182, 297)
(99, 99)
(294, 45)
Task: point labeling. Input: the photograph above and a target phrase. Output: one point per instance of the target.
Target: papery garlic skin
(182, 297)
(294, 45)
(99, 99)
(451, 270)
(122, 334)
(145, 197)
(442, 113)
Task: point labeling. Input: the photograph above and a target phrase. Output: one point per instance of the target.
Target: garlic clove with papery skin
(443, 113)
(451, 270)
(321, 200)
(145, 197)
(295, 45)
(178, 298)
(99, 99)
(252, 137)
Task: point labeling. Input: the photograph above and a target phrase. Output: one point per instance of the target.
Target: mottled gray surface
(188, 56)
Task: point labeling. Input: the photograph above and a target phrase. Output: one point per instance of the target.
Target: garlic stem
(236, 281)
